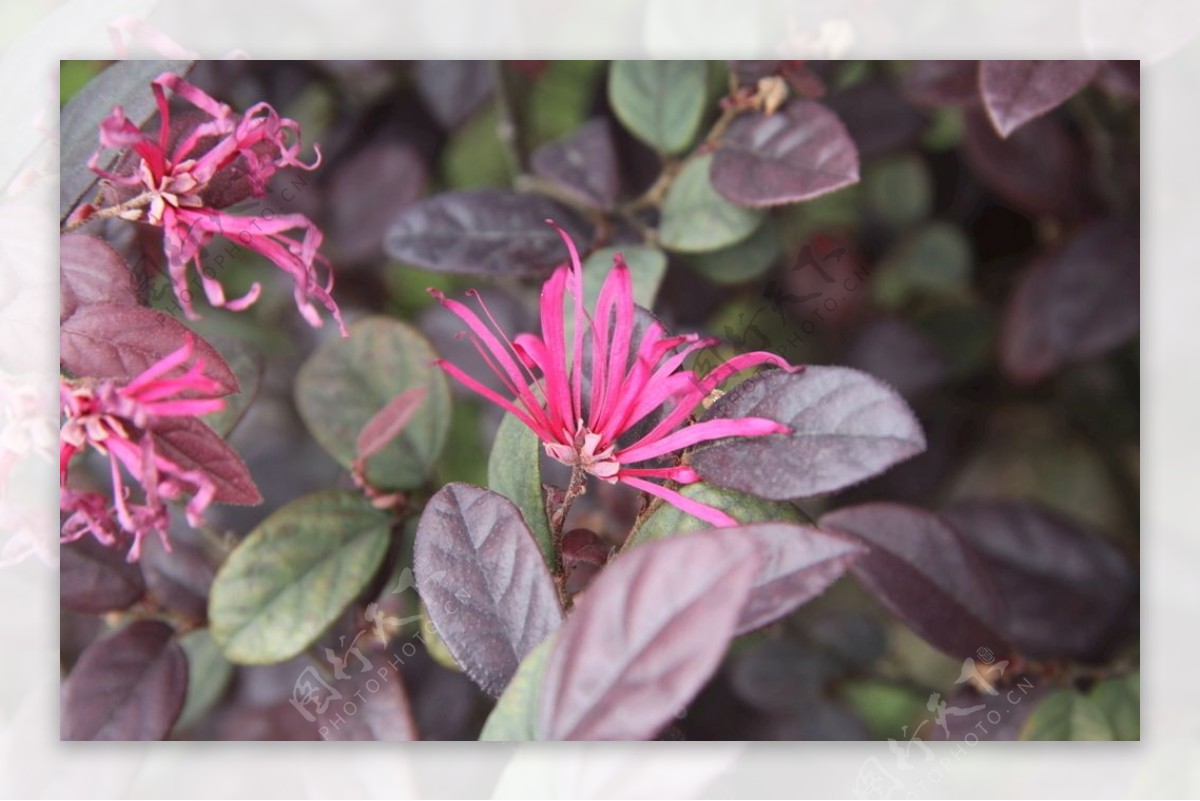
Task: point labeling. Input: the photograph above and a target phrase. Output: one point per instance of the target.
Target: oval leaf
(647, 266)
(740, 262)
(798, 564)
(645, 637)
(515, 716)
(584, 165)
(366, 192)
(347, 382)
(383, 712)
(130, 686)
(660, 102)
(94, 579)
(1014, 92)
(941, 83)
(695, 219)
(1064, 588)
(453, 90)
(489, 232)
(194, 446)
(1039, 169)
(1121, 702)
(293, 575)
(798, 153)
(92, 272)
(1074, 303)
(846, 427)
(1067, 715)
(208, 675)
(121, 341)
(515, 471)
(484, 582)
(923, 571)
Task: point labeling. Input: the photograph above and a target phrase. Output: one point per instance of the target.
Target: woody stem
(575, 488)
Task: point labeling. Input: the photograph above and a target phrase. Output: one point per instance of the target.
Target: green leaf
(740, 262)
(515, 716)
(660, 102)
(1120, 700)
(900, 190)
(696, 219)
(666, 520)
(885, 708)
(294, 574)
(647, 265)
(561, 99)
(341, 387)
(460, 458)
(475, 156)
(435, 645)
(514, 471)
(1067, 715)
(934, 261)
(208, 676)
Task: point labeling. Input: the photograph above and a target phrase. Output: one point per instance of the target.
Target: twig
(133, 204)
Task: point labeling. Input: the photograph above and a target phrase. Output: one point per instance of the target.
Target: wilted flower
(117, 421)
(583, 429)
(181, 175)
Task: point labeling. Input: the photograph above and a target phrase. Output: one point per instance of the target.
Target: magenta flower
(545, 377)
(177, 182)
(118, 421)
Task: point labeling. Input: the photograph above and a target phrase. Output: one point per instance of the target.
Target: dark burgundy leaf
(194, 446)
(877, 118)
(381, 708)
(1015, 92)
(453, 90)
(1038, 169)
(129, 686)
(120, 342)
(583, 165)
(942, 83)
(276, 722)
(389, 421)
(125, 84)
(645, 637)
(990, 716)
(798, 564)
(488, 232)
(823, 720)
(367, 192)
(781, 677)
(94, 579)
(893, 350)
(846, 427)
(91, 272)
(484, 582)
(924, 572)
(1064, 588)
(179, 580)
(1121, 78)
(1074, 303)
(800, 152)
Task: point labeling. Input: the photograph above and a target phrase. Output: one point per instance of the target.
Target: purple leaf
(484, 582)
(584, 164)
(798, 153)
(95, 579)
(941, 83)
(645, 637)
(892, 349)
(489, 232)
(846, 427)
(120, 342)
(781, 677)
(1121, 78)
(129, 686)
(178, 580)
(194, 446)
(877, 118)
(382, 711)
(366, 193)
(923, 571)
(1064, 588)
(389, 421)
(1015, 92)
(92, 272)
(1074, 303)
(798, 564)
(1038, 169)
(453, 90)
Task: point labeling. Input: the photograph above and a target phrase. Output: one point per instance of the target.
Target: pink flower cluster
(628, 382)
(172, 177)
(118, 421)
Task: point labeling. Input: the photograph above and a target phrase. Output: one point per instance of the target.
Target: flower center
(586, 453)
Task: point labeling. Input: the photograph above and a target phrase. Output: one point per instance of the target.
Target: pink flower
(583, 429)
(173, 181)
(118, 421)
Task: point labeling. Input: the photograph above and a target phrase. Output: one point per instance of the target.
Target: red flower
(584, 430)
(117, 421)
(172, 180)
